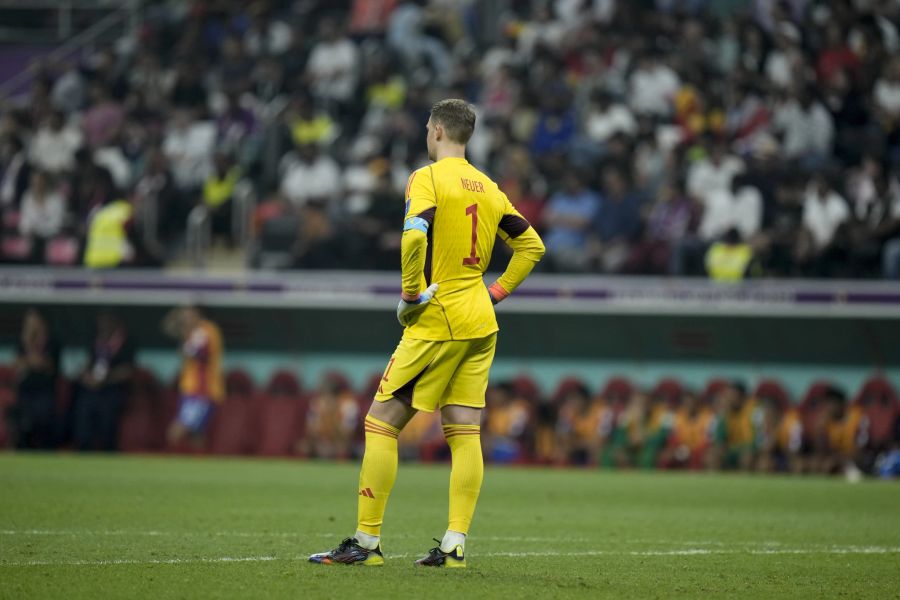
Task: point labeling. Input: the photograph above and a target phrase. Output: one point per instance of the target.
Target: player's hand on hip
(408, 308)
(497, 293)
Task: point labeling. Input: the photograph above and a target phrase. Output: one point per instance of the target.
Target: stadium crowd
(114, 405)
(728, 137)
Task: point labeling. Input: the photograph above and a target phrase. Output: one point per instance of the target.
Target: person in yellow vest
(729, 259)
(108, 243)
(218, 195)
(201, 384)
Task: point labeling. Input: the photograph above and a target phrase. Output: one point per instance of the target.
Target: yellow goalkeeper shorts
(427, 374)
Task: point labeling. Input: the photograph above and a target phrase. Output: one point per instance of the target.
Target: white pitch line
(835, 550)
(254, 534)
(125, 561)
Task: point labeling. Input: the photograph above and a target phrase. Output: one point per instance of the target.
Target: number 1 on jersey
(472, 259)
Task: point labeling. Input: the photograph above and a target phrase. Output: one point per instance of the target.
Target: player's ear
(438, 131)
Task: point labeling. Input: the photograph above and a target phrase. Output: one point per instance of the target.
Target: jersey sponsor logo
(472, 185)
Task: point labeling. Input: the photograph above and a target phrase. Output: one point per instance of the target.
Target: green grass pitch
(139, 527)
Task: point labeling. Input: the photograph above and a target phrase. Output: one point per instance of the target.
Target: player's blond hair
(456, 117)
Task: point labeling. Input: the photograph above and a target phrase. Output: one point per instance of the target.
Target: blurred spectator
(333, 66)
(331, 422)
(834, 436)
(16, 171)
(219, 191)
(580, 427)
(652, 86)
(37, 367)
(308, 126)
(308, 175)
(783, 451)
(568, 217)
(506, 424)
(669, 221)
(617, 222)
(693, 426)
(104, 386)
(103, 119)
(54, 144)
(43, 212)
(729, 259)
(201, 384)
(640, 434)
(714, 173)
(189, 145)
(807, 127)
(110, 230)
(406, 35)
(824, 211)
(733, 438)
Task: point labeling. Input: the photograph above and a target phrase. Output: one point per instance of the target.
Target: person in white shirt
(652, 87)
(54, 145)
(333, 66)
(740, 207)
(807, 127)
(887, 91)
(605, 118)
(308, 176)
(189, 146)
(713, 174)
(824, 210)
(43, 208)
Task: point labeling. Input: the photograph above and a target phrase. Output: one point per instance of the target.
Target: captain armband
(417, 223)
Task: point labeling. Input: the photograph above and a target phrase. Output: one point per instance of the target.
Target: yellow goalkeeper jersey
(454, 213)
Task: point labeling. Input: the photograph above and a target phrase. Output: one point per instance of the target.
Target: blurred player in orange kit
(201, 384)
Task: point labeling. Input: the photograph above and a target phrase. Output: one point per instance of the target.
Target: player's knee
(460, 415)
(393, 412)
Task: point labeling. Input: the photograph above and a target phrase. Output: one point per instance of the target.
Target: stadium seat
(812, 404)
(233, 427)
(617, 389)
(284, 382)
(713, 387)
(527, 387)
(62, 251)
(670, 390)
(771, 388)
(565, 386)
(281, 421)
(238, 383)
(15, 248)
(879, 401)
(139, 428)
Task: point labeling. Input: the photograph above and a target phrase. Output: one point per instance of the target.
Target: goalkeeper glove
(406, 310)
(497, 293)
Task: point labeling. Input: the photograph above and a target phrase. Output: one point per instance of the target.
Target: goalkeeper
(453, 215)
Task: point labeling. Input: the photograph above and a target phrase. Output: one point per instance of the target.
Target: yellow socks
(466, 473)
(377, 475)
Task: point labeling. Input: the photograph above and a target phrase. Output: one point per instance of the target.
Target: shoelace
(346, 544)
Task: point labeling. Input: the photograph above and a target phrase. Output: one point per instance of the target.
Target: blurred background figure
(201, 384)
(34, 417)
(332, 421)
(507, 424)
(693, 428)
(640, 434)
(734, 435)
(104, 386)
